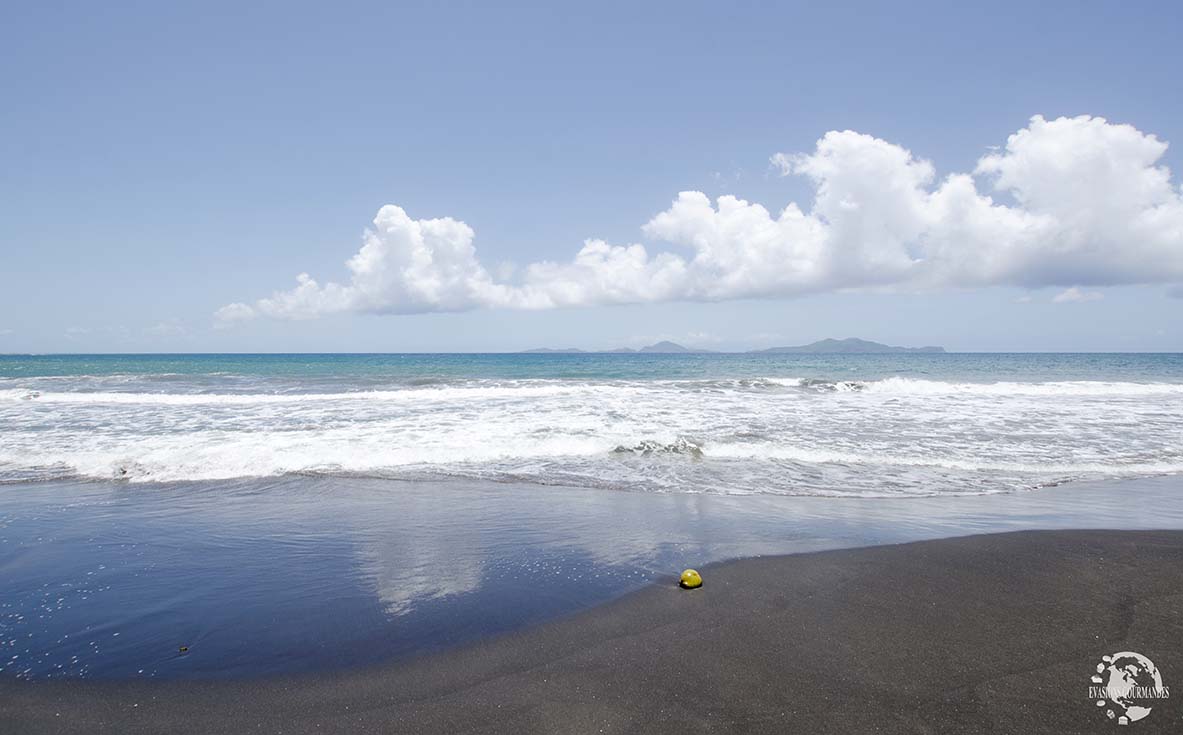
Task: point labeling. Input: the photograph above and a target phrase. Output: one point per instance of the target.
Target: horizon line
(561, 352)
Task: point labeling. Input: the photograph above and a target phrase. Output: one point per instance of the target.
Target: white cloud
(231, 314)
(1090, 208)
(1074, 294)
(6, 332)
(167, 328)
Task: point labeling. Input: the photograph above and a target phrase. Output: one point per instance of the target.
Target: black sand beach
(995, 633)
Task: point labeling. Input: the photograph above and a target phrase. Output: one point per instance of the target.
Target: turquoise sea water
(395, 368)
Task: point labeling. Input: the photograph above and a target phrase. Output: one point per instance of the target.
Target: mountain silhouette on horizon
(848, 346)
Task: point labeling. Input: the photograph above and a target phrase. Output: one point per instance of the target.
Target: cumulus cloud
(1074, 294)
(167, 328)
(1084, 203)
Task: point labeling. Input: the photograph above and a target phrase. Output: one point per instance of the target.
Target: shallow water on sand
(295, 574)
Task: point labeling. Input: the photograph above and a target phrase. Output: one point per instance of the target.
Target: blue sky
(163, 161)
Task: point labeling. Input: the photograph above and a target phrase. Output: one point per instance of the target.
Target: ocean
(847, 425)
(215, 516)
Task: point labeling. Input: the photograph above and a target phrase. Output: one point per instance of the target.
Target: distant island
(664, 347)
(849, 346)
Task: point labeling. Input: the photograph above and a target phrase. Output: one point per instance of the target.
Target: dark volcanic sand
(986, 633)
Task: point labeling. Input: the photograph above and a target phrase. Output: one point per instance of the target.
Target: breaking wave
(649, 447)
(779, 434)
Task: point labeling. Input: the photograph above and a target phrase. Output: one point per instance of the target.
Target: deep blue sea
(275, 514)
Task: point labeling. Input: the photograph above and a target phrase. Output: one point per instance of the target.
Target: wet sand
(976, 634)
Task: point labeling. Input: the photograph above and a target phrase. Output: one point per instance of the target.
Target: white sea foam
(245, 399)
(910, 386)
(786, 435)
(535, 389)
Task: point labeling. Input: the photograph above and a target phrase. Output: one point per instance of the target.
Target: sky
(386, 177)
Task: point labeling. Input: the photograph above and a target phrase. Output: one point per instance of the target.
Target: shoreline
(387, 576)
(965, 634)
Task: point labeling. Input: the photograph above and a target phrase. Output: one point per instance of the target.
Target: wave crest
(648, 447)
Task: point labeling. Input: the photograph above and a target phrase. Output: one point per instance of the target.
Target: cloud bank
(1084, 203)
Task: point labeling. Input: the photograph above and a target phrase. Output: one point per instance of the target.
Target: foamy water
(721, 424)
